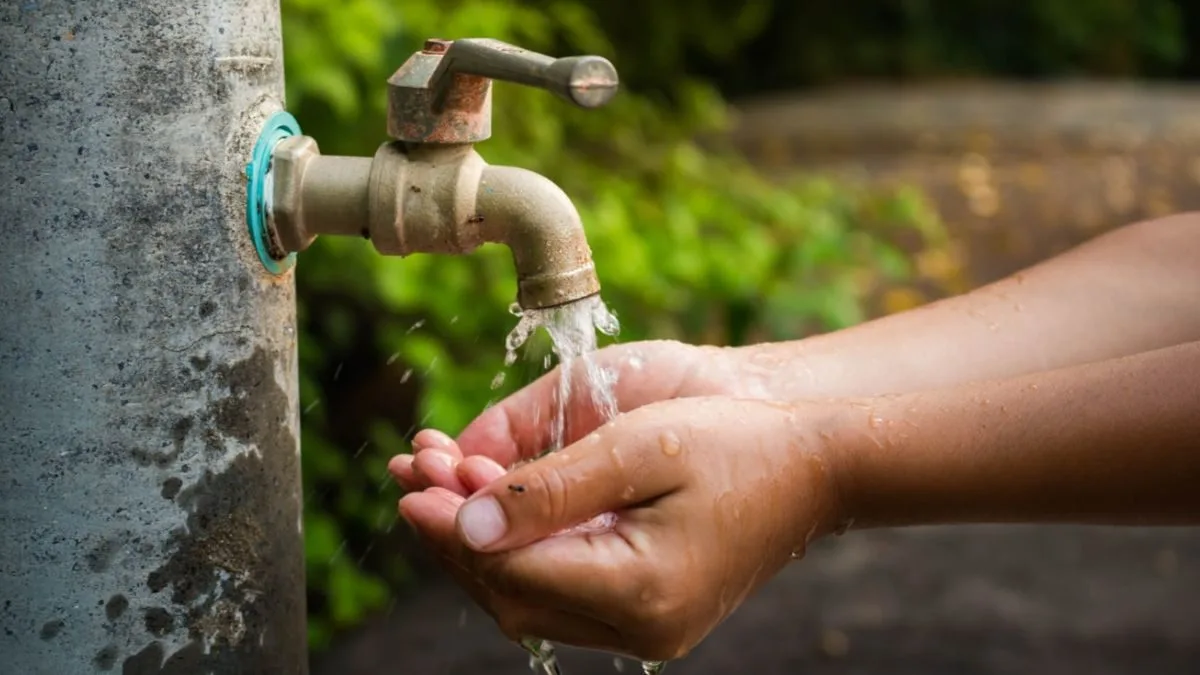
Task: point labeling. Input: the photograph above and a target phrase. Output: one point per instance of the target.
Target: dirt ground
(927, 601)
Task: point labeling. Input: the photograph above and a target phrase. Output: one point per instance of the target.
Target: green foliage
(689, 242)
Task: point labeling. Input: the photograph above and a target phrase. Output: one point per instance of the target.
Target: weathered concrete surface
(937, 601)
(149, 488)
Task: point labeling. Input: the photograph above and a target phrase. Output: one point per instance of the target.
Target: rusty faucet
(429, 191)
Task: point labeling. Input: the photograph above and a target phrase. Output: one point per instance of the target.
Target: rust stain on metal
(425, 106)
(436, 46)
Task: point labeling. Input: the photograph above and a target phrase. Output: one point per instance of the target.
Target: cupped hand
(520, 427)
(709, 498)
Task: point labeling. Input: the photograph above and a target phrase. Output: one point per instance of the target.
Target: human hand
(517, 428)
(710, 497)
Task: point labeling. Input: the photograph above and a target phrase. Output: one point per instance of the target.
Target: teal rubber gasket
(279, 126)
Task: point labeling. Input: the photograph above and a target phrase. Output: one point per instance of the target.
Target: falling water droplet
(843, 527)
(407, 374)
(392, 358)
(653, 667)
(498, 380)
(618, 665)
(338, 372)
(363, 557)
(338, 553)
(670, 444)
(542, 658)
(835, 643)
(415, 326)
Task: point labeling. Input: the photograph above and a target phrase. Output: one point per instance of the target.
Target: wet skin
(1068, 393)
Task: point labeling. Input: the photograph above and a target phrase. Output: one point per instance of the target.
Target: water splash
(572, 329)
(542, 658)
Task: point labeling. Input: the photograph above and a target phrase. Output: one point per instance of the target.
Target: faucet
(428, 190)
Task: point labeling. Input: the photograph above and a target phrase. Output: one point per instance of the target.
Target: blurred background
(771, 169)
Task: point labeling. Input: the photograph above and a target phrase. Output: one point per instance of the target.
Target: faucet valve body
(429, 191)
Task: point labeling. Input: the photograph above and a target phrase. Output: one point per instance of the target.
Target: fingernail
(482, 522)
(441, 458)
(438, 438)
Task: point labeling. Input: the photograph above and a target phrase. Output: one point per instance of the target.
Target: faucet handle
(443, 93)
(586, 81)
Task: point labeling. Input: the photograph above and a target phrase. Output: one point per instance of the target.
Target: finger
(437, 468)
(430, 511)
(401, 466)
(401, 469)
(477, 471)
(623, 465)
(521, 426)
(432, 439)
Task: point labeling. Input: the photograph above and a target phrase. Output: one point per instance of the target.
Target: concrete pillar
(149, 454)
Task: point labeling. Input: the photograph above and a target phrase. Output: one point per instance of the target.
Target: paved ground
(997, 600)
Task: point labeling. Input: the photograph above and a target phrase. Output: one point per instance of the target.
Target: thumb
(605, 472)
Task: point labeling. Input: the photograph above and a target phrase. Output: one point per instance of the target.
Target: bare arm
(1111, 442)
(1129, 291)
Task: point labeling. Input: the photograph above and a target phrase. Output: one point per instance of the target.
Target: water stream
(572, 329)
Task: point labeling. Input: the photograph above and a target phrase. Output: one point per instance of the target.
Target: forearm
(1132, 290)
(1110, 442)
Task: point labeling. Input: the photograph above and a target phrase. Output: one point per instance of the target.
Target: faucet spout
(536, 220)
(435, 199)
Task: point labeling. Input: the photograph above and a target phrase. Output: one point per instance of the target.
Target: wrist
(768, 371)
(816, 438)
(729, 372)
